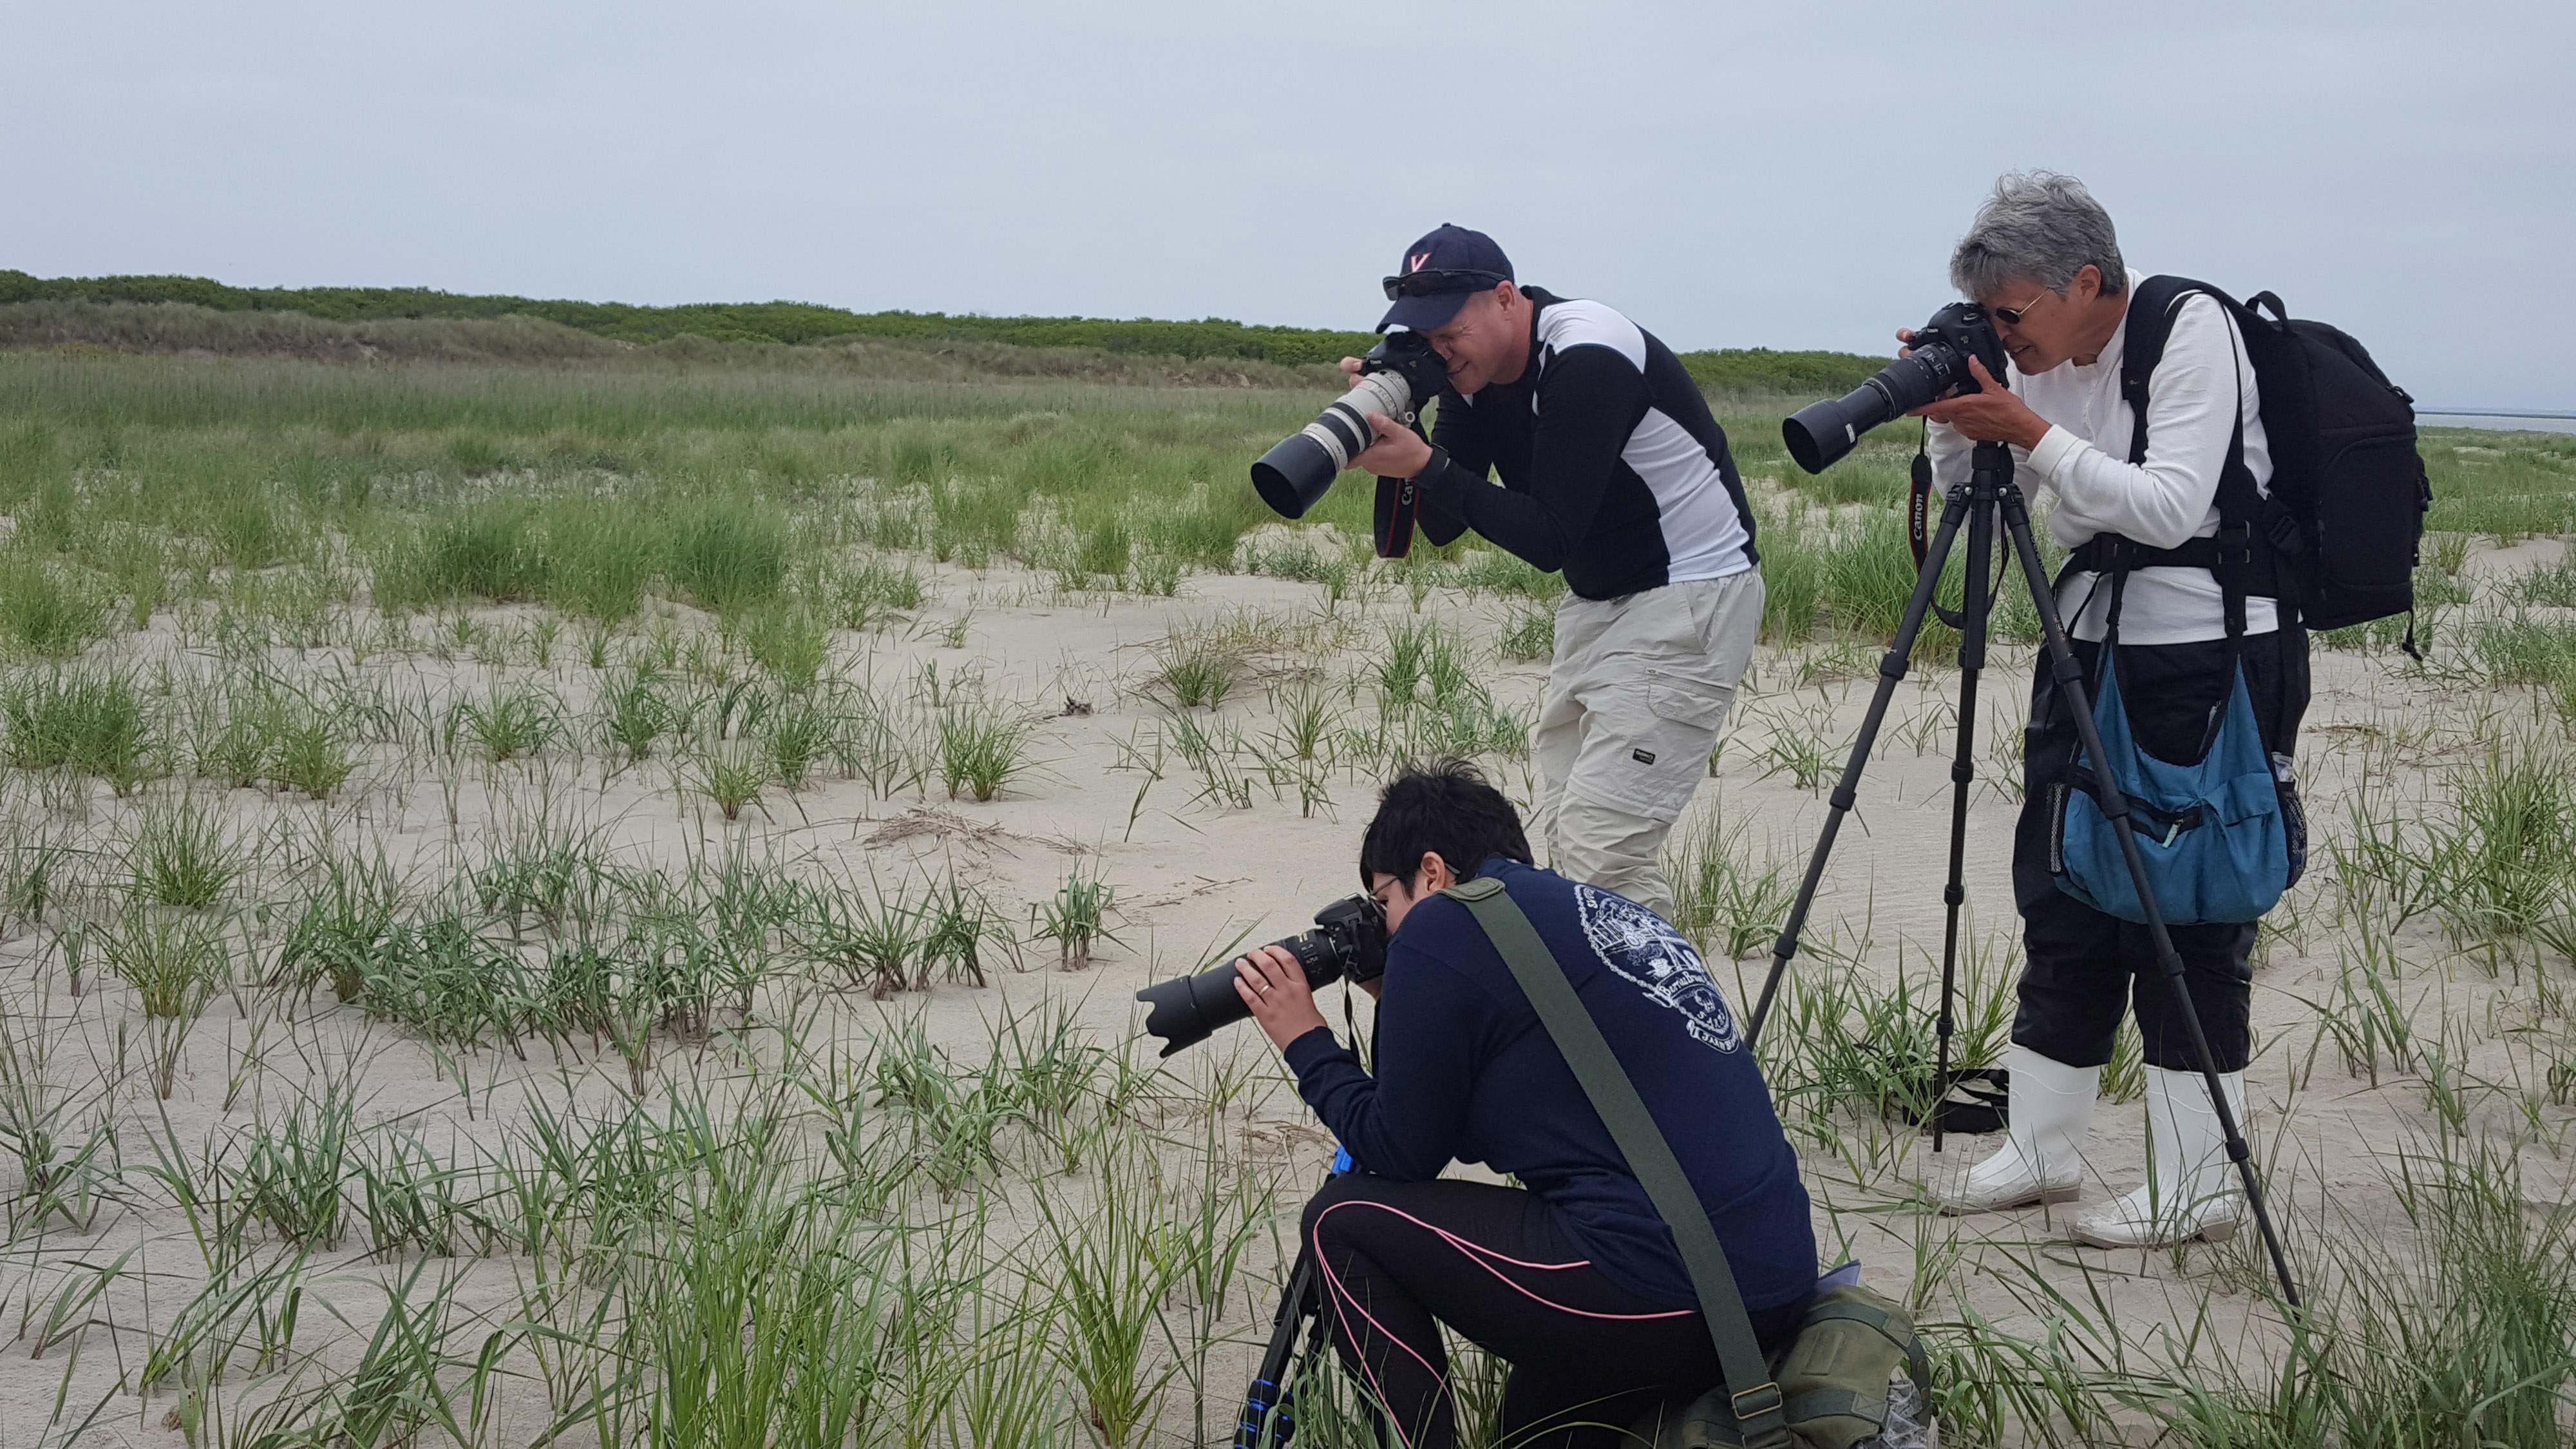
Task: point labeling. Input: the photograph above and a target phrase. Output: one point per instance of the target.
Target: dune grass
(722, 1181)
(596, 485)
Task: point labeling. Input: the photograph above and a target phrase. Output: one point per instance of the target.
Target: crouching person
(1574, 1281)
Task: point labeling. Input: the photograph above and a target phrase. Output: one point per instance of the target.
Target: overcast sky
(1790, 175)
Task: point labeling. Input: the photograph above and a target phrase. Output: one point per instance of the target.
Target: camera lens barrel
(1294, 476)
(1186, 1010)
(1819, 434)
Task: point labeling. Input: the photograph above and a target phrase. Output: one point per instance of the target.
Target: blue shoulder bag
(2212, 833)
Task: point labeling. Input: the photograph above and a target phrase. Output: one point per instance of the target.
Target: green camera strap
(1755, 1397)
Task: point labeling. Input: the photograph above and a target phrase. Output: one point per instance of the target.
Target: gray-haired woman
(2044, 261)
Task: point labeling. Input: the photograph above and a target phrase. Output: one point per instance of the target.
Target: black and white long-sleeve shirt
(1613, 469)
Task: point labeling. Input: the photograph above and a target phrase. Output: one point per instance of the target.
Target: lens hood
(1819, 434)
(1187, 1009)
(1293, 476)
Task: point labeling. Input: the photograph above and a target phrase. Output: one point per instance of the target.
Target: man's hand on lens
(1272, 983)
(1399, 451)
(1994, 415)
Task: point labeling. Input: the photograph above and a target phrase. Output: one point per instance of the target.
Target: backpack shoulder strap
(2231, 556)
(1754, 1395)
(2152, 305)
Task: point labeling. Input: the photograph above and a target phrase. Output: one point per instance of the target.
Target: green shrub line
(1744, 369)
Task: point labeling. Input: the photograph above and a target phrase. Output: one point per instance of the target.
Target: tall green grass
(2504, 485)
(621, 479)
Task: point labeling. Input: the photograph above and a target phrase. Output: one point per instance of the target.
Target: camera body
(1934, 367)
(1396, 378)
(1410, 355)
(1348, 943)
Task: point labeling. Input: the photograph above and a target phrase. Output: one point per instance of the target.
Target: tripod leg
(1269, 1415)
(2115, 807)
(1890, 670)
(1973, 610)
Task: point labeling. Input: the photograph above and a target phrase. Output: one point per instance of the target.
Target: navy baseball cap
(1440, 272)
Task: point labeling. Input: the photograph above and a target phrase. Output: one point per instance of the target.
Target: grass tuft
(983, 746)
(47, 609)
(91, 722)
(728, 554)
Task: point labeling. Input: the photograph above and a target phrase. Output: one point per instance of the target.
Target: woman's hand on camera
(1272, 983)
(1994, 415)
(1399, 451)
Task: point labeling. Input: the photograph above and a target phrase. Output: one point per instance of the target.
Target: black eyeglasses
(1430, 281)
(2009, 316)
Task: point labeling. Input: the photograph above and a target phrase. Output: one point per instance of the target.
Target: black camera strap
(1918, 499)
(1398, 501)
(1755, 1397)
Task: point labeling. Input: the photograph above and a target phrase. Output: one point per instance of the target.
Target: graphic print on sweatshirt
(1636, 944)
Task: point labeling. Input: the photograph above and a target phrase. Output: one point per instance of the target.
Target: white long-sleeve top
(2083, 466)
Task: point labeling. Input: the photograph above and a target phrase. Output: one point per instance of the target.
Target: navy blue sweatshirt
(1466, 1071)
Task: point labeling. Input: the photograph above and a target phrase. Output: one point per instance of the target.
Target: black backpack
(2337, 538)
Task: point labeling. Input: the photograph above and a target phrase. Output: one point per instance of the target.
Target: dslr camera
(1934, 367)
(1348, 943)
(1397, 377)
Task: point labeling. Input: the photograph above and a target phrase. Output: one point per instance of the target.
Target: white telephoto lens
(1343, 428)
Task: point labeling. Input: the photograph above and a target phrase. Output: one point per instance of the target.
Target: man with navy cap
(1613, 471)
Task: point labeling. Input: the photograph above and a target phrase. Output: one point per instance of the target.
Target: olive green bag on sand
(1830, 1388)
(1834, 1379)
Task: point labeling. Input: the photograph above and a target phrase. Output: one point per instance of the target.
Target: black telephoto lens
(1820, 433)
(1187, 1010)
(1350, 940)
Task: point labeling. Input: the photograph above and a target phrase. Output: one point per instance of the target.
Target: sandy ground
(1191, 876)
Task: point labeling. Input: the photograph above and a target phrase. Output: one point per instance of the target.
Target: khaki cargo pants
(1635, 696)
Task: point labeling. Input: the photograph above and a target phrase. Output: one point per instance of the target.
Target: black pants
(2083, 967)
(1588, 1357)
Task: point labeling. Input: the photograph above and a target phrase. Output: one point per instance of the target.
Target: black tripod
(1269, 1417)
(1990, 491)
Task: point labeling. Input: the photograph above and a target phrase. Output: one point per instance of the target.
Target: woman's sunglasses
(2009, 316)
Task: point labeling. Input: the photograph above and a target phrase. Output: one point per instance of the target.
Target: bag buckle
(1771, 1405)
(2243, 544)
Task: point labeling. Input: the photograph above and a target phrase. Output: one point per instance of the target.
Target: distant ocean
(2511, 422)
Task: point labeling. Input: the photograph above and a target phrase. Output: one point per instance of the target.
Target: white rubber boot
(2042, 1159)
(2191, 1189)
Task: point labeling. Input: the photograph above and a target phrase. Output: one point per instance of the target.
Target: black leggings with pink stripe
(1400, 1258)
